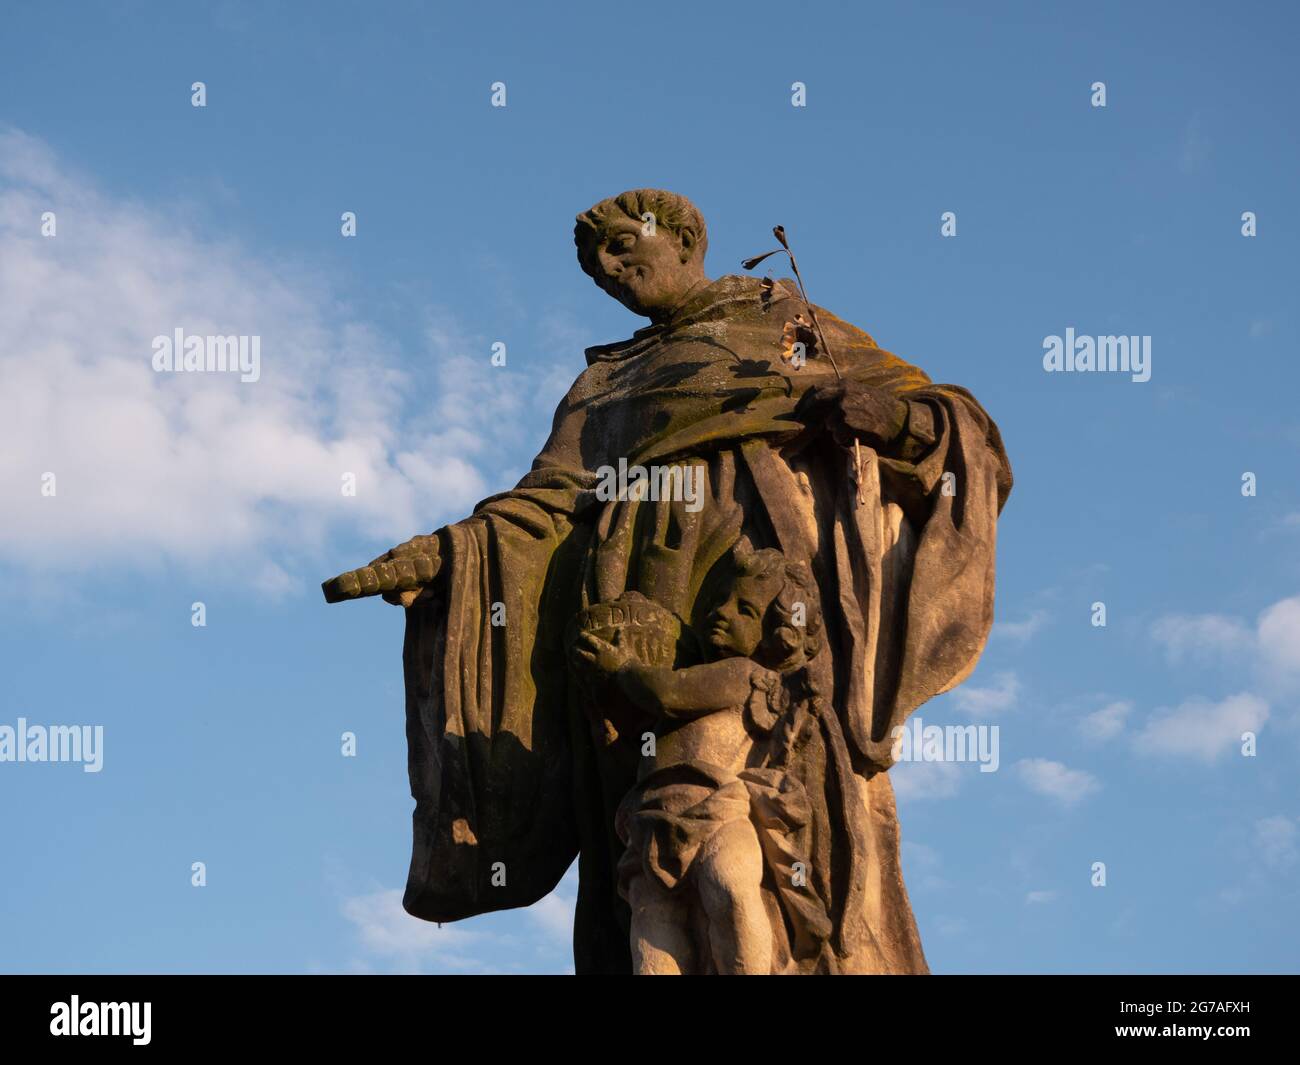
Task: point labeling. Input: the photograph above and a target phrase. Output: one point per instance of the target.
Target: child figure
(694, 861)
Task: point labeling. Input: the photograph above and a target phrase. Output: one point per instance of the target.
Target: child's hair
(798, 588)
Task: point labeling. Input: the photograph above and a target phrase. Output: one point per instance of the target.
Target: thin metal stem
(821, 337)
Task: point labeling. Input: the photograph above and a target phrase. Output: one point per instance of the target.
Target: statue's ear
(690, 241)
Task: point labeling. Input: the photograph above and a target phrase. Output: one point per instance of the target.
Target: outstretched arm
(540, 505)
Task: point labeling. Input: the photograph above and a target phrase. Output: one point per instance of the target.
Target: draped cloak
(512, 777)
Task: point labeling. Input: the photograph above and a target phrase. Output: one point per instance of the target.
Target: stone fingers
(382, 577)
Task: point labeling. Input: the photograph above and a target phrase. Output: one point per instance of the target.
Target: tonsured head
(644, 247)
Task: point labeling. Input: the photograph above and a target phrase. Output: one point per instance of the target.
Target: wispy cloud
(1278, 635)
(1021, 631)
(1192, 636)
(1271, 645)
(1057, 781)
(388, 932)
(153, 469)
(554, 914)
(1200, 728)
(914, 781)
(391, 940)
(1264, 658)
(992, 699)
(1106, 723)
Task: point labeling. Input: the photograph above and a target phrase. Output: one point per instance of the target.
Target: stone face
(690, 678)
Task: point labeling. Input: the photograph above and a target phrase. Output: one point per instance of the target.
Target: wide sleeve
(915, 565)
(488, 731)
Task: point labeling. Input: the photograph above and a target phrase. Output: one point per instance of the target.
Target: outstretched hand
(401, 576)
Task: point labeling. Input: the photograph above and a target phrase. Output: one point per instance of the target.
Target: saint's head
(644, 247)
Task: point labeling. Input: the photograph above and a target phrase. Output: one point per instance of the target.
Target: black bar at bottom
(335, 1013)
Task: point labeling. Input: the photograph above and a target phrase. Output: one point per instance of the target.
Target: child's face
(736, 624)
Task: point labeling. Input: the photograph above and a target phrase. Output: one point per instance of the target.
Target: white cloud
(1201, 729)
(998, 697)
(1273, 643)
(554, 913)
(388, 931)
(1265, 657)
(1279, 636)
(926, 780)
(1192, 636)
(1021, 631)
(396, 941)
(1106, 723)
(1056, 780)
(155, 469)
(1039, 897)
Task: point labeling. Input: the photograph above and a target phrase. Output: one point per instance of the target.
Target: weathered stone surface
(693, 678)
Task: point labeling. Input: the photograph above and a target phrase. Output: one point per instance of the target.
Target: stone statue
(679, 648)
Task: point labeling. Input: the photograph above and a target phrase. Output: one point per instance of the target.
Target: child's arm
(673, 692)
(689, 692)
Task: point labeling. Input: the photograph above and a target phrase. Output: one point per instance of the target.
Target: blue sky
(1118, 744)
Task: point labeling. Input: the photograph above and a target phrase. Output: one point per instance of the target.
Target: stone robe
(513, 775)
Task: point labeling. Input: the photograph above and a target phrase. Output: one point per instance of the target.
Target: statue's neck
(659, 317)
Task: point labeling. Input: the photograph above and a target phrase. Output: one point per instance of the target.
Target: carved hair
(672, 213)
(797, 588)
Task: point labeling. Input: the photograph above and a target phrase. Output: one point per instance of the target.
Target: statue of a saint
(692, 680)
